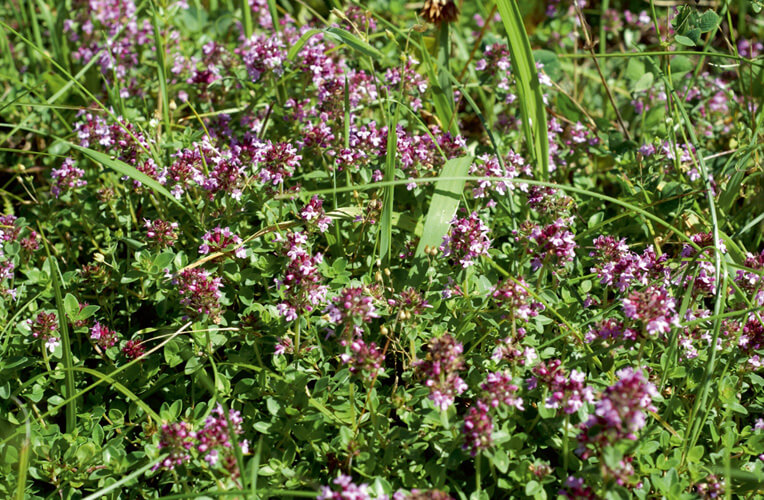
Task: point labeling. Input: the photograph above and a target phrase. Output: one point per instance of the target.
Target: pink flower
(103, 336)
(440, 369)
(467, 240)
(67, 177)
(654, 308)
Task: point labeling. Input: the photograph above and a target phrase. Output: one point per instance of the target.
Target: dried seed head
(440, 11)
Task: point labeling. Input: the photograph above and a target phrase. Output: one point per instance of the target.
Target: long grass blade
(164, 99)
(23, 454)
(528, 86)
(66, 345)
(128, 170)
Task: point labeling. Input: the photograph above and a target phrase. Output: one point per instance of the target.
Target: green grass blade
(121, 388)
(23, 454)
(300, 43)
(444, 203)
(246, 14)
(164, 99)
(386, 222)
(528, 86)
(349, 39)
(66, 345)
(113, 486)
(439, 95)
(128, 170)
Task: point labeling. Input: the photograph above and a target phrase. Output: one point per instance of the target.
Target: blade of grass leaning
(528, 86)
(439, 96)
(349, 39)
(164, 100)
(113, 486)
(256, 467)
(444, 204)
(246, 14)
(444, 70)
(128, 170)
(274, 14)
(121, 388)
(386, 222)
(66, 345)
(23, 454)
(386, 219)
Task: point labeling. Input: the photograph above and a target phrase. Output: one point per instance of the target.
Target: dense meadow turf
(421, 250)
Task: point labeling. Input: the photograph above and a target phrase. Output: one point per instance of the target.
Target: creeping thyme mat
(422, 250)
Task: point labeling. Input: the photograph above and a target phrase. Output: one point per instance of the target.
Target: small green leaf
(532, 488)
(644, 83)
(708, 21)
(683, 40)
(72, 307)
(695, 453)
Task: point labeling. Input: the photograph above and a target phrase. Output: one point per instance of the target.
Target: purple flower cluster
(275, 162)
(353, 304)
(752, 334)
(467, 240)
(346, 490)
(440, 369)
(513, 295)
(549, 201)
(616, 266)
(9, 231)
(177, 439)
(262, 54)
(619, 413)
(45, 327)
(314, 213)
(509, 349)
(553, 242)
(363, 358)
(413, 82)
(495, 61)
(498, 388)
(110, 31)
(103, 336)
(711, 487)
(133, 349)
(161, 233)
(67, 177)
(478, 428)
(576, 489)
(121, 139)
(220, 239)
(301, 285)
(752, 282)
(567, 390)
(610, 328)
(214, 438)
(420, 150)
(199, 292)
(489, 166)
(654, 307)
